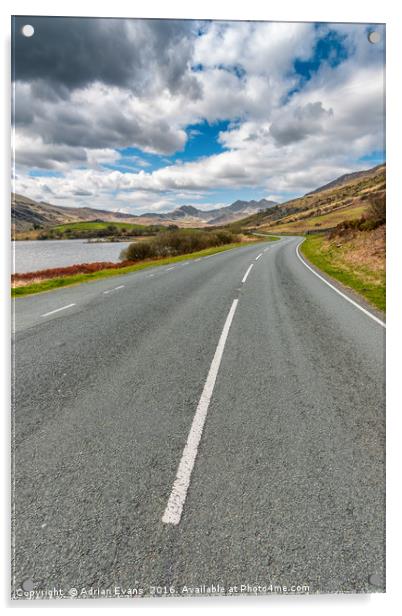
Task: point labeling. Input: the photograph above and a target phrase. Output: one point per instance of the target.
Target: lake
(30, 256)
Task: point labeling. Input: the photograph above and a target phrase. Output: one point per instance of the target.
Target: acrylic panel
(198, 235)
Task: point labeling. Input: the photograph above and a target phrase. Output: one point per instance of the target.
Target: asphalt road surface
(204, 423)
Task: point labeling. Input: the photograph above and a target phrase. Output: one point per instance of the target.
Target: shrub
(377, 209)
(224, 236)
(177, 242)
(137, 251)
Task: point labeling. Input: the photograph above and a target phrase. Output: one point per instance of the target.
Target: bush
(377, 209)
(224, 236)
(137, 251)
(177, 242)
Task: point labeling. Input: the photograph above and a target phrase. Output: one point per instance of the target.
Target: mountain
(222, 215)
(345, 198)
(345, 179)
(27, 214)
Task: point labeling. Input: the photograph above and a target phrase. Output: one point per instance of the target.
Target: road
(275, 382)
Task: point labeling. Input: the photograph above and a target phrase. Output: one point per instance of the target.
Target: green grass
(64, 281)
(96, 226)
(365, 281)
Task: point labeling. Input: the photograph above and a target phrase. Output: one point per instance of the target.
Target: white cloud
(279, 143)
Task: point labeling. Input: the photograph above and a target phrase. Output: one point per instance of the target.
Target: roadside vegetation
(354, 253)
(178, 242)
(97, 229)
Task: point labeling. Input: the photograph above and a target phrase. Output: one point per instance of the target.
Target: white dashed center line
(247, 273)
(260, 255)
(114, 289)
(57, 310)
(177, 498)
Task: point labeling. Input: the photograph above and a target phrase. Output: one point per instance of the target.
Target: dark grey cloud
(48, 156)
(82, 193)
(72, 52)
(66, 128)
(139, 58)
(110, 129)
(299, 123)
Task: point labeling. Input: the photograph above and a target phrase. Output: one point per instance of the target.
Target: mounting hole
(28, 585)
(375, 579)
(374, 37)
(28, 30)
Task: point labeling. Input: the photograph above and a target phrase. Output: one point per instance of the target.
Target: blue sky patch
(45, 173)
(202, 141)
(329, 49)
(374, 158)
(133, 160)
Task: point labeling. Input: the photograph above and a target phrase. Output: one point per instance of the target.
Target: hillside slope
(27, 213)
(343, 199)
(346, 179)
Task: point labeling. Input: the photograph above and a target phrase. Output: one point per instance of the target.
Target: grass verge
(336, 261)
(64, 281)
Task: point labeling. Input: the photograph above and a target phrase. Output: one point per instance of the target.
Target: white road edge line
(57, 310)
(337, 290)
(247, 273)
(177, 498)
(260, 255)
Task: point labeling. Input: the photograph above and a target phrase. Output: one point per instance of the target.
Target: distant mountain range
(27, 214)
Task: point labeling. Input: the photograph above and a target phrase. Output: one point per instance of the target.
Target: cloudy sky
(146, 115)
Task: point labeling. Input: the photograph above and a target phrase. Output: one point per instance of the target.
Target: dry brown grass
(361, 248)
(23, 283)
(301, 223)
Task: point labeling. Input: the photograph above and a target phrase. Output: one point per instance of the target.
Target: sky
(147, 115)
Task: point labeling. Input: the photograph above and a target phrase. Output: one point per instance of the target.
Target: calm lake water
(30, 256)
